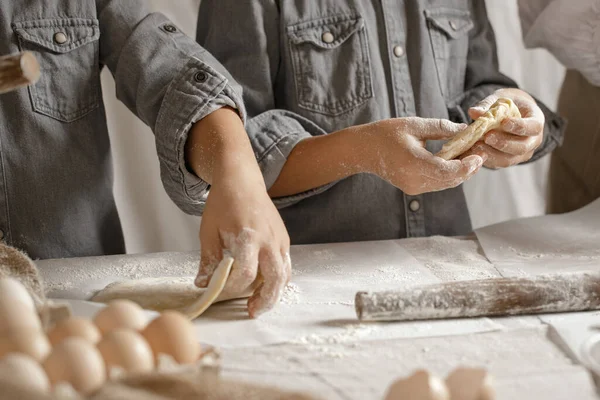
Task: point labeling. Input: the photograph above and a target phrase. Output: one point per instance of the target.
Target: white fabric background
(152, 223)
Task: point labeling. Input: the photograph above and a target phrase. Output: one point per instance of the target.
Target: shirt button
(454, 25)
(398, 51)
(328, 37)
(200, 77)
(1, 234)
(60, 38)
(414, 205)
(170, 28)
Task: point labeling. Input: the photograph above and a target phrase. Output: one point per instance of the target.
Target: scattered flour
(291, 294)
(351, 332)
(325, 254)
(558, 253)
(68, 275)
(328, 345)
(451, 258)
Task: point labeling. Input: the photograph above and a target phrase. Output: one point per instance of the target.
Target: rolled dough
(459, 144)
(158, 294)
(180, 294)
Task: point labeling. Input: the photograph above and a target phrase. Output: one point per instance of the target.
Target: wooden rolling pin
(537, 294)
(18, 70)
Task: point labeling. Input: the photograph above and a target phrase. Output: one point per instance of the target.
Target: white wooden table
(529, 356)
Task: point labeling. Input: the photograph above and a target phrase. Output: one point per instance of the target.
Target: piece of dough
(459, 144)
(158, 294)
(180, 294)
(213, 290)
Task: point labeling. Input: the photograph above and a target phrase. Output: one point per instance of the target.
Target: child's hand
(396, 152)
(239, 216)
(518, 138)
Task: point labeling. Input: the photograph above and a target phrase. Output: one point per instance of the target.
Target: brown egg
(126, 349)
(78, 362)
(74, 326)
(33, 343)
(120, 314)
(23, 370)
(12, 290)
(173, 334)
(16, 317)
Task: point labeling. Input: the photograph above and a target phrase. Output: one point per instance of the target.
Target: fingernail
(473, 163)
(201, 281)
(252, 309)
(508, 124)
(491, 140)
(473, 166)
(257, 313)
(511, 127)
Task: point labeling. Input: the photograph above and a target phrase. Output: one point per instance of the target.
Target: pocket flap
(76, 32)
(326, 33)
(454, 23)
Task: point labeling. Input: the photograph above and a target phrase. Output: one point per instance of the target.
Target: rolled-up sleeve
(570, 30)
(483, 78)
(167, 80)
(250, 51)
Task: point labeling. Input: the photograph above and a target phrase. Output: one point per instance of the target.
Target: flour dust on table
(319, 300)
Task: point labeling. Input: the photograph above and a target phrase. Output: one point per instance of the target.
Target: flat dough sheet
(317, 307)
(153, 293)
(551, 243)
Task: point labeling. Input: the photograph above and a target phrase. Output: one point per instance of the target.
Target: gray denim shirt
(55, 164)
(310, 67)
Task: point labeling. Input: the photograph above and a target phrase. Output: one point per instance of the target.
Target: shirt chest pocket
(330, 58)
(67, 50)
(449, 34)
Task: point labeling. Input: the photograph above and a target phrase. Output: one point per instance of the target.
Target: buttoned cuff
(554, 130)
(198, 91)
(273, 136)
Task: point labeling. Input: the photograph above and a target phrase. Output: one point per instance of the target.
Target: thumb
(482, 107)
(438, 129)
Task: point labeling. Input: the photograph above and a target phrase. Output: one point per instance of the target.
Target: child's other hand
(396, 148)
(518, 138)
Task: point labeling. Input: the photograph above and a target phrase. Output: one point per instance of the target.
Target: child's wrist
(360, 144)
(238, 170)
(218, 148)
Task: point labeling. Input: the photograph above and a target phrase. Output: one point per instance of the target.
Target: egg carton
(208, 366)
(52, 312)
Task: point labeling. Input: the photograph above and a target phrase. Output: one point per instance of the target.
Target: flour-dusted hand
(518, 138)
(244, 222)
(395, 150)
(239, 216)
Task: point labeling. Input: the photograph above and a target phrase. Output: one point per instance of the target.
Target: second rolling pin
(536, 294)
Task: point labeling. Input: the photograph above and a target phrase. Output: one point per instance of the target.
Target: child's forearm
(218, 148)
(320, 160)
